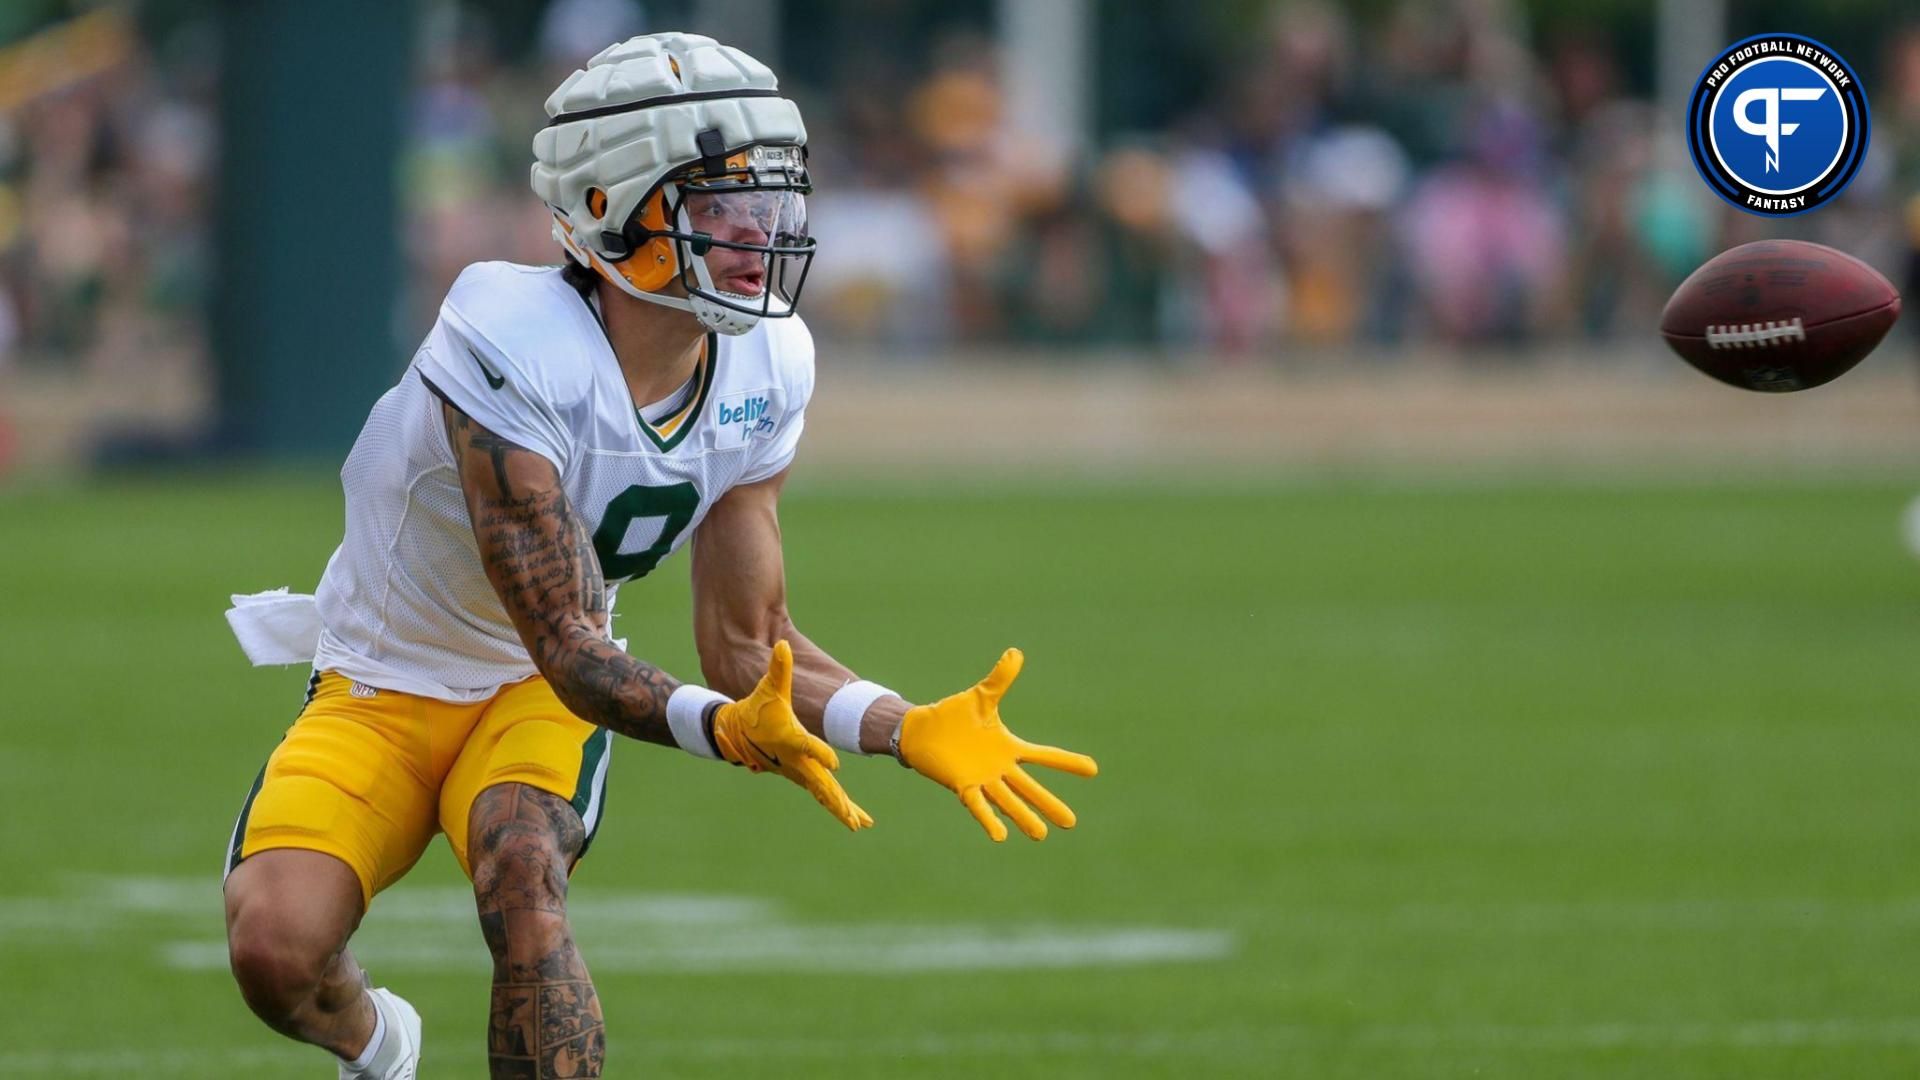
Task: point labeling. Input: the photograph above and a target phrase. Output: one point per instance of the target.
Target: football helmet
(672, 160)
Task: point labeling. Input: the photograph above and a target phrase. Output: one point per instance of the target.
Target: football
(1779, 315)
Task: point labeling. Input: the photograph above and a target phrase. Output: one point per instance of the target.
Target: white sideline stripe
(1751, 1034)
(802, 949)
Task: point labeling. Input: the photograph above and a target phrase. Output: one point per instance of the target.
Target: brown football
(1779, 315)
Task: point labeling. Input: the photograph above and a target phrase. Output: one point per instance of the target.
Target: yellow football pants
(368, 776)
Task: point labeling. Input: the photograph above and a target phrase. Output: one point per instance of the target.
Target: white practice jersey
(405, 602)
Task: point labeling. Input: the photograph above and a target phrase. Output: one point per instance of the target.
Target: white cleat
(399, 1055)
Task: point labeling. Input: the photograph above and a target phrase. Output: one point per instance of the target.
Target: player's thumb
(1001, 677)
(780, 671)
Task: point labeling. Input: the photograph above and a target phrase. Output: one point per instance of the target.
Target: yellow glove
(959, 742)
(761, 732)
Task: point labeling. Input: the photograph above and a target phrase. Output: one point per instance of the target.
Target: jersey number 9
(675, 503)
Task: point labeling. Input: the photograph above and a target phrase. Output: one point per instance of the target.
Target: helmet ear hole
(597, 203)
(652, 263)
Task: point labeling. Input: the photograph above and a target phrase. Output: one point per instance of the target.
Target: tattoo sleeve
(546, 1019)
(539, 557)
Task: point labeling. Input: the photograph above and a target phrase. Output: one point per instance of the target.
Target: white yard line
(99, 902)
(787, 948)
(430, 929)
(433, 929)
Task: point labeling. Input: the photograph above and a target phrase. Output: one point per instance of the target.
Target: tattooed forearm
(540, 559)
(593, 584)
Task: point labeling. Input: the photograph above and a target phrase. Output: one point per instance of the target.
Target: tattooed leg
(545, 1018)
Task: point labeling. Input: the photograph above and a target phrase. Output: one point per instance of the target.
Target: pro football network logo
(1778, 124)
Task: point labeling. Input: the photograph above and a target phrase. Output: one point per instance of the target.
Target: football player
(560, 431)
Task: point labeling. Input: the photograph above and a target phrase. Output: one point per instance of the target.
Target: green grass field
(1509, 781)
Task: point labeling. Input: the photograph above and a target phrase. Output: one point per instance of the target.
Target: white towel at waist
(276, 627)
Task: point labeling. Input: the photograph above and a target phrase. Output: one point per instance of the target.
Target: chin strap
(722, 319)
(716, 317)
(719, 318)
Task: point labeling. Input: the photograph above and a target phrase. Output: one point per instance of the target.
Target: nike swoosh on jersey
(493, 381)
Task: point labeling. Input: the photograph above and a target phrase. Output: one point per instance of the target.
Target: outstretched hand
(961, 743)
(761, 732)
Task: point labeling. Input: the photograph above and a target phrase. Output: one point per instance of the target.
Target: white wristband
(844, 711)
(686, 716)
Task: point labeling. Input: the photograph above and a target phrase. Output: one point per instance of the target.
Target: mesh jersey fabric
(404, 600)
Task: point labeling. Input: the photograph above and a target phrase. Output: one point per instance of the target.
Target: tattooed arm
(740, 610)
(539, 557)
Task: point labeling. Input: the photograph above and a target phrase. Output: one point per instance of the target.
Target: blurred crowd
(1431, 175)
(106, 157)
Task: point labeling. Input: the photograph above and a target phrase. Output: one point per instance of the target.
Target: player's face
(751, 218)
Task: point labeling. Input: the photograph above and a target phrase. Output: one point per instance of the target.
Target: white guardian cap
(671, 150)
